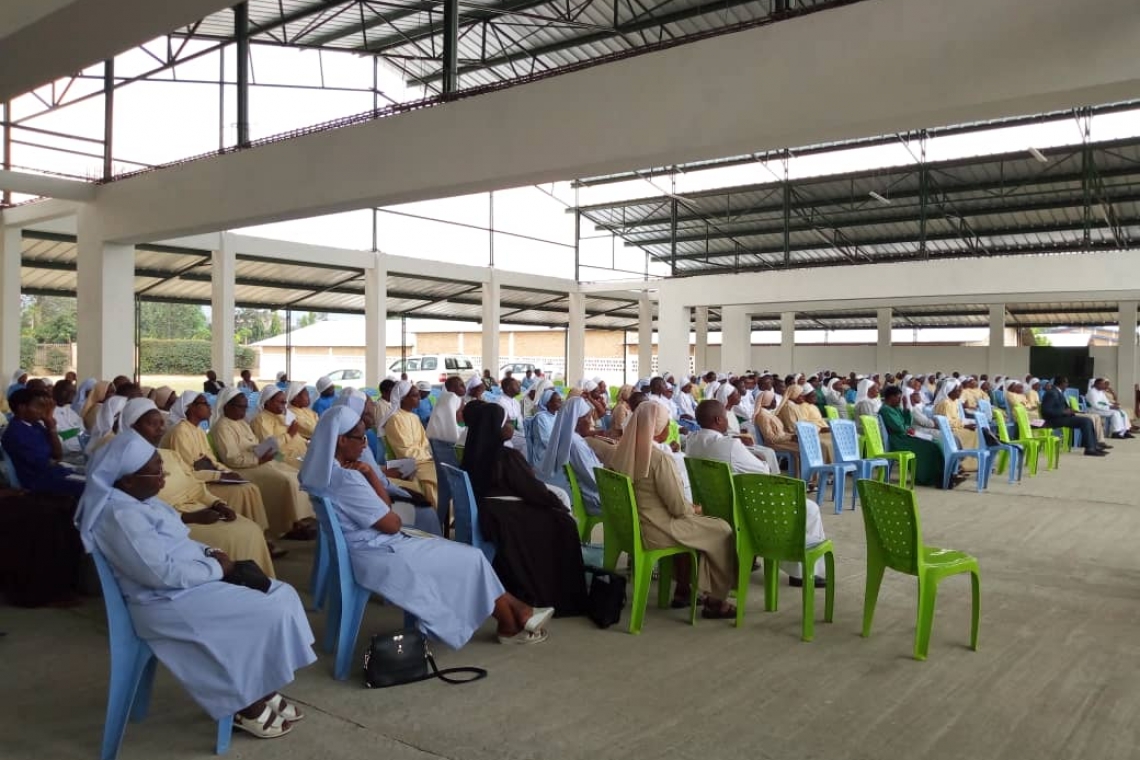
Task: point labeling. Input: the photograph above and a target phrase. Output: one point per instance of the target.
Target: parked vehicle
(433, 368)
(346, 375)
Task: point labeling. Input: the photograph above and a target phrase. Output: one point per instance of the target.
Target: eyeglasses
(355, 437)
(163, 474)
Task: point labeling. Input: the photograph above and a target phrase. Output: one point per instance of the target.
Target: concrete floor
(1055, 675)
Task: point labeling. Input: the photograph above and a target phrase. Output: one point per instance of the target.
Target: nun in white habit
(231, 647)
(449, 587)
(566, 445)
(443, 425)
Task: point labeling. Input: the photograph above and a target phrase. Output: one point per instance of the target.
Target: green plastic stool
(623, 534)
(906, 460)
(894, 540)
(771, 522)
(586, 521)
(1031, 446)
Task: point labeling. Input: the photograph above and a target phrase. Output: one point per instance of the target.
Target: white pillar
(786, 363)
(883, 346)
(701, 346)
(222, 274)
(672, 333)
(106, 302)
(376, 322)
(575, 339)
(995, 353)
(1126, 355)
(735, 339)
(491, 324)
(645, 339)
(11, 245)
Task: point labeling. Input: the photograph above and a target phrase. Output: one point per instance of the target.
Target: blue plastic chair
(132, 671)
(811, 459)
(952, 455)
(781, 456)
(8, 467)
(986, 408)
(443, 452)
(467, 528)
(346, 605)
(1016, 464)
(845, 450)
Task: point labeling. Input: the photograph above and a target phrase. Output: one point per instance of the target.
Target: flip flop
(539, 616)
(524, 637)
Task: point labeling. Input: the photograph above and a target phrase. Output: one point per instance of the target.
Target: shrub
(185, 357)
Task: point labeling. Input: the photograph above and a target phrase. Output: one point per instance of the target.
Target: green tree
(252, 325)
(173, 321)
(49, 319)
(310, 319)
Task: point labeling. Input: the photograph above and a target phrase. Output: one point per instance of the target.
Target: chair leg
(838, 489)
(610, 552)
(350, 620)
(743, 578)
(829, 599)
(976, 607)
(121, 698)
(694, 580)
(871, 593)
(332, 619)
(927, 596)
(808, 622)
(665, 582)
(225, 733)
(642, 574)
(141, 704)
(771, 585)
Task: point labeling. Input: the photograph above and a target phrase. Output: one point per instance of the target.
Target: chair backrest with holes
(844, 441)
(1021, 417)
(1000, 424)
(873, 434)
(771, 515)
(811, 450)
(619, 508)
(711, 484)
(890, 518)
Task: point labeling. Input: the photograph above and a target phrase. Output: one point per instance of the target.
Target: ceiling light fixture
(1039, 155)
(880, 198)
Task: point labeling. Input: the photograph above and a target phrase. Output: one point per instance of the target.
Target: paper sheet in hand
(270, 444)
(407, 467)
(920, 433)
(290, 418)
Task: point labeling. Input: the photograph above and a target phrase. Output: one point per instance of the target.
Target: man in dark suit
(1057, 413)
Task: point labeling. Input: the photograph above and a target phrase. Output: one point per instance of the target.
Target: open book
(407, 467)
(270, 444)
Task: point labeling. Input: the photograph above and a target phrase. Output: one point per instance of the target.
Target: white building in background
(324, 347)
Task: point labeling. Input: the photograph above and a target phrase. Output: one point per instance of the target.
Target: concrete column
(376, 322)
(883, 346)
(995, 354)
(222, 273)
(701, 347)
(1126, 355)
(786, 357)
(491, 325)
(735, 339)
(11, 243)
(575, 339)
(106, 302)
(645, 339)
(672, 335)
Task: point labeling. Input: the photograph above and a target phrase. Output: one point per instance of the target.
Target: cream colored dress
(293, 447)
(668, 519)
(285, 504)
(240, 539)
(969, 438)
(409, 440)
(191, 443)
(306, 420)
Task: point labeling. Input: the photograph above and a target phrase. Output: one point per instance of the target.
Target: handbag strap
(445, 674)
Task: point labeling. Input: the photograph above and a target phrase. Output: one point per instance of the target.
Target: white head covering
(178, 411)
(401, 389)
(295, 389)
(723, 392)
(423, 385)
(945, 386)
(864, 386)
(124, 455)
(562, 435)
(442, 425)
(134, 410)
(226, 396)
(636, 446)
(353, 399)
(266, 395)
(20, 372)
(323, 383)
(105, 420)
(316, 471)
(81, 394)
(280, 376)
(473, 383)
(587, 386)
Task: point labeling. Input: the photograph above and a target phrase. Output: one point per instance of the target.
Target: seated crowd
(177, 490)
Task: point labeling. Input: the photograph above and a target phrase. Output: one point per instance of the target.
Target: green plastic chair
(906, 460)
(771, 522)
(711, 484)
(459, 453)
(1050, 442)
(623, 534)
(613, 391)
(894, 540)
(586, 521)
(1031, 446)
(388, 450)
(674, 433)
(850, 411)
(831, 412)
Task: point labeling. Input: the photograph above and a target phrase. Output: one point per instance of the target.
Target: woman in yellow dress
(297, 397)
(946, 404)
(408, 438)
(271, 422)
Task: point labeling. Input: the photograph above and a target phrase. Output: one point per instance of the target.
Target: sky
(160, 121)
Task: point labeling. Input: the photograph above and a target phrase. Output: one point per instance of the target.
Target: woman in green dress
(927, 454)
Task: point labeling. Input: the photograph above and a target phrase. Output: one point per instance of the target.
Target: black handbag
(404, 657)
(248, 573)
(606, 599)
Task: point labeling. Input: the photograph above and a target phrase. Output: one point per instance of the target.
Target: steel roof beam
(467, 17)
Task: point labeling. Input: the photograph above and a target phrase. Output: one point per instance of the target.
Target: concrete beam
(40, 212)
(375, 319)
(1126, 354)
(913, 64)
(11, 245)
(47, 187)
(53, 39)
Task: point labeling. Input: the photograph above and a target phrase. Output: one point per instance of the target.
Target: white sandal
(538, 619)
(286, 710)
(524, 637)
(267, 725)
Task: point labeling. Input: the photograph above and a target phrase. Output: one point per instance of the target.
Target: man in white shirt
(68, 423)
(710, 442)
(506, 399)
(658, 393)
(1114, 419)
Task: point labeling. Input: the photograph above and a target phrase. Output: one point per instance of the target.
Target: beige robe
(293, 447)
(969, 438)
(408, 439)
(306, 420)
(240, 539)
(621, 413)
(667, 519)
(191, 444)
(285, 504)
